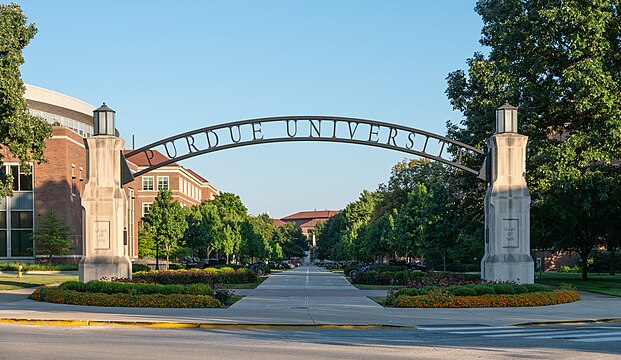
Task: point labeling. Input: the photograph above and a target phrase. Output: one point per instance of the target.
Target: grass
(11, 282)
(378, 299)
(601, 284)
(337, 271)
(372, 287)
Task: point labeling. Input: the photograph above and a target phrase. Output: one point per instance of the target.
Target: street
(41, 342)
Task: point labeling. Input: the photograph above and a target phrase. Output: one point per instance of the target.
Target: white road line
(604, 339)
(576, 335)
(307, 270)
(500, 331)
(548, 335)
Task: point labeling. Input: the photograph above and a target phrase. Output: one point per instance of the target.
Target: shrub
(210, 276)
(106, 287)
(140, 267)
(12, 266)
(539, 298)
(537, 287)
(567, 269)
(482, 289)
(462, 291)
(503, 288)
(73, 297)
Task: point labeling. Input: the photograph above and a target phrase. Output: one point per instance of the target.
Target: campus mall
(101, 190)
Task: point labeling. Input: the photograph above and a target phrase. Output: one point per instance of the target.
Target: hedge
(414, 279)
(477, 289)
(72, 297)
(442, 299)
(107, 287)
(12, 266)
(194, 276)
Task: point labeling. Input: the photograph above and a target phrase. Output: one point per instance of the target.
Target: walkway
(312, 296)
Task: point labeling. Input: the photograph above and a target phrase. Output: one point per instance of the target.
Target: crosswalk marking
(581, 334)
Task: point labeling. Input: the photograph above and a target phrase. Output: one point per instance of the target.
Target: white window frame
(152, 187)
(164, 180)
(146, 205)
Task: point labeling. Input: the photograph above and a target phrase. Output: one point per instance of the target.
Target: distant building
(306, 220)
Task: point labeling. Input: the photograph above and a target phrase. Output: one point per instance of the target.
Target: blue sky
(168, 67)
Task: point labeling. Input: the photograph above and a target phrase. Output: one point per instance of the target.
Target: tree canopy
(21, 134)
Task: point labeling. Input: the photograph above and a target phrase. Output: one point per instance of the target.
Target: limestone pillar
(507, 207)
(104, 203)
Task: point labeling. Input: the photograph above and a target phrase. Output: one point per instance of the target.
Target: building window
(16, 215)
(146, 208)
(162, 182)
(147, 183)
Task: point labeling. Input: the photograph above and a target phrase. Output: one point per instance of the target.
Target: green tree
(166, 221)
(51, 236)
(146, 243)
(205, 232)
(21, 134)
(558, 62)
(232, 213)
(291, 240)
(410, 223)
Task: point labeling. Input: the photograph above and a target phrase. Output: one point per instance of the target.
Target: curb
(566, 322)
(179, 325)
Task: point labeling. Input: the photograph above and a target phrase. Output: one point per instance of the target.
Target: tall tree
(166, 221)
(232, 213)
(52, 236)
(205, 232)
(558, 62)
(21, 134)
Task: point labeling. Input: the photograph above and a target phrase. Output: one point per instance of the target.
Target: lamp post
(103, 121)
(506, 119)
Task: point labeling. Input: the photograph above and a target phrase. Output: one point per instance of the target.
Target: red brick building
(59, 183)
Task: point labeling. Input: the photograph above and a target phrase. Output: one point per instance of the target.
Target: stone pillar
(104, 203)
(507, 211)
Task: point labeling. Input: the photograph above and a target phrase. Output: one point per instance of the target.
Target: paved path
(309, 295)
(312, 296)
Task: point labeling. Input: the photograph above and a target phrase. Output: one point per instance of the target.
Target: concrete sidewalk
(304, 297)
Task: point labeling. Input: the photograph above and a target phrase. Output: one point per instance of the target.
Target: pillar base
(108, 266)
(517, 268)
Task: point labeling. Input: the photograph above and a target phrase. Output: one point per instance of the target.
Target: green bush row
(477, 289)
(210, 276)
(72, 297)
(414, 278)
(107, 287)
(12, 266)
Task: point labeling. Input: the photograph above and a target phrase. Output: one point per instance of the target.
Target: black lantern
(506, 119)
(103, 121)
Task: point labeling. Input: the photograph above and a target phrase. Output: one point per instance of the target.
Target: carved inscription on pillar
(102, 235)
(510, 233)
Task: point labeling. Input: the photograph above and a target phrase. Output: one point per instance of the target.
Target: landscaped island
(192, 288)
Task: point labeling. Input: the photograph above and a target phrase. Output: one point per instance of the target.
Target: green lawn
(372, 287)
(602, 284)
(11, 282)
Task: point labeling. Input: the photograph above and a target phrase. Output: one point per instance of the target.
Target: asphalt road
(558, 342)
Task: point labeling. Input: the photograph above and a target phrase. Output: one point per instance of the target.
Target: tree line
(220, 228)
(559, 63)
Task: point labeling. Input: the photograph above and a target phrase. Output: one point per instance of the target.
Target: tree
(146, 243)
(166, 221)
(232, 213)
(291, 240)
(205, 232)
(558, 62)
(52, 236)
(22, 134)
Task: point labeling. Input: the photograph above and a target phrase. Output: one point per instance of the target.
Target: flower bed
(210, 276)
(414, 279)
(443, 299)
(73, 297)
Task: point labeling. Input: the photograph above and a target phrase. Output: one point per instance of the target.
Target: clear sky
(168, 67)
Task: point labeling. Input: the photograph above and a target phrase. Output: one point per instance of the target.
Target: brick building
(59, 183)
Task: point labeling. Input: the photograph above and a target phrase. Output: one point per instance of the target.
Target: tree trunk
(50, 261)
(584, 257)
(444, 260)
(613, 250)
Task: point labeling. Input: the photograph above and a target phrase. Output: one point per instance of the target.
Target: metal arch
(193, 150)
